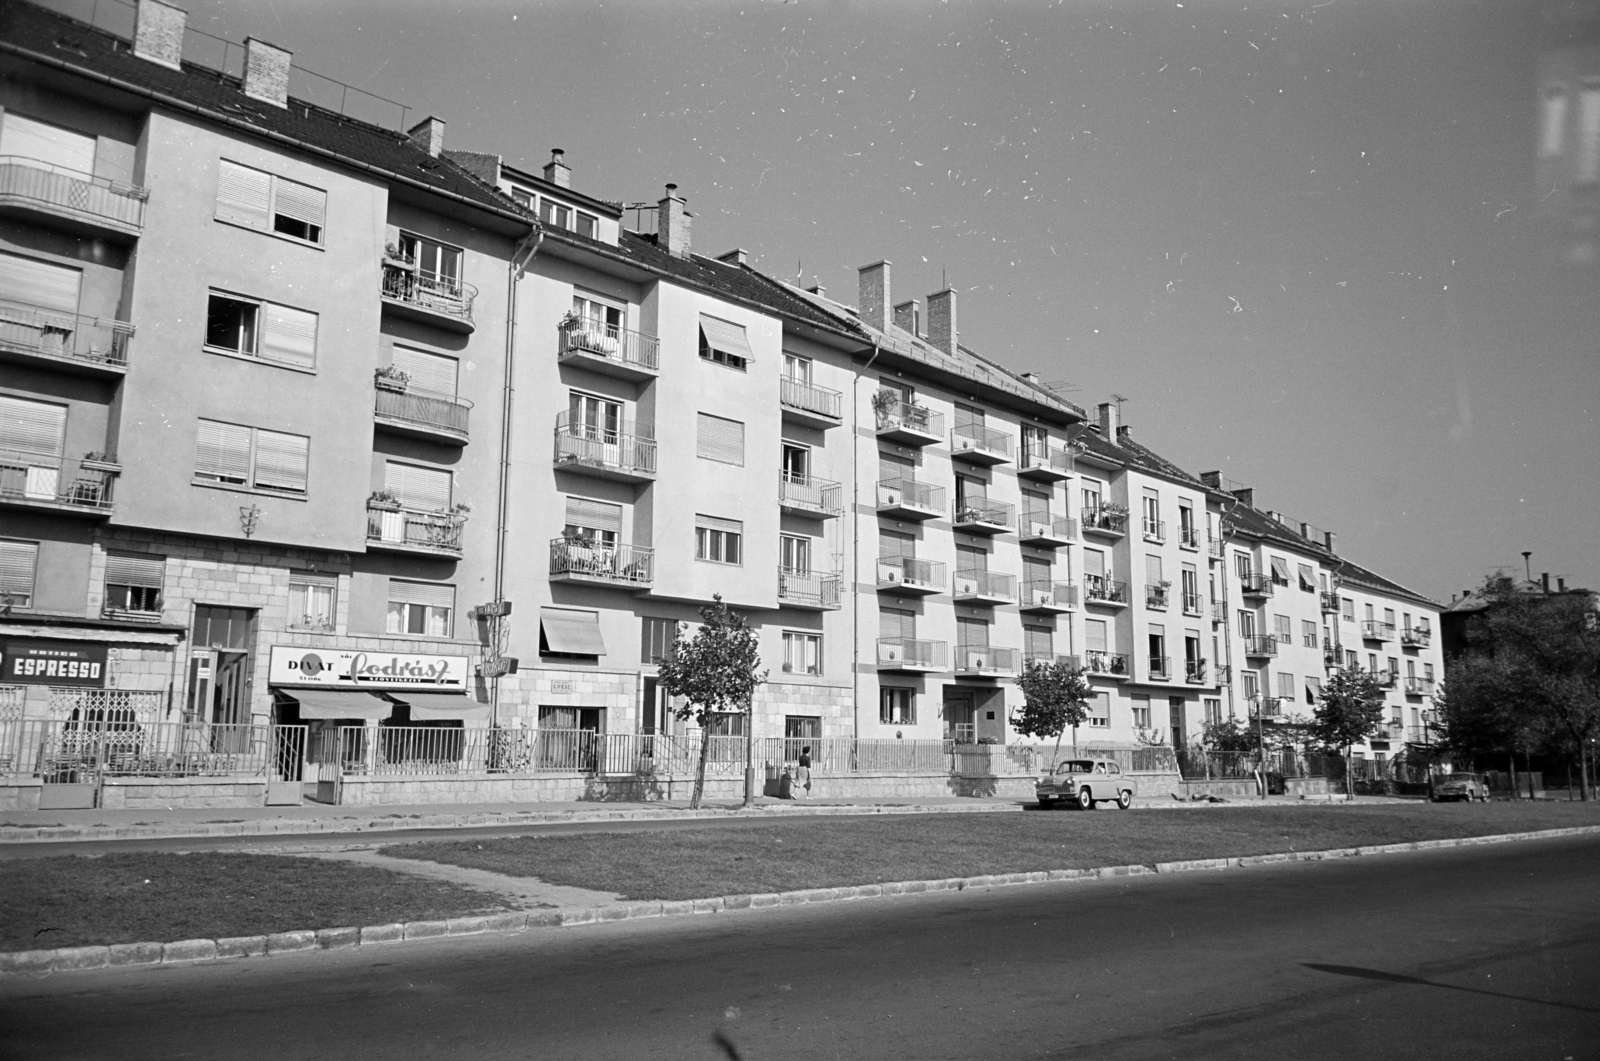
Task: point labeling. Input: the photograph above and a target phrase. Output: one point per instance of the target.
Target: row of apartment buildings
(292, 404)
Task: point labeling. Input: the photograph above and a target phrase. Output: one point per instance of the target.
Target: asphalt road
(1489, 952)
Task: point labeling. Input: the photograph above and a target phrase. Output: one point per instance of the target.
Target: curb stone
(67, 959)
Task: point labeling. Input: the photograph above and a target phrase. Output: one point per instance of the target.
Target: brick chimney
(1212, 479)
(556, 171)
(908, 315)
(1332, 541)
(818, 290)
(1246, 496)
(158, 33)
(737, 256)
(942, 320)
(873, 295)
(428, 134)
(1108, 420)
(266, 72)
(672, 224)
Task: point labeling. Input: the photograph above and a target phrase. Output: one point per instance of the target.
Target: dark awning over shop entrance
(442, 707)
(351, 704)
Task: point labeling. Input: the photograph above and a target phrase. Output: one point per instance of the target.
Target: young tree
(1054, 696)
(716, 672)
(1350, 710)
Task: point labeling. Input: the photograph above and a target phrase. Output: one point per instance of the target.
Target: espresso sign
(342, 669)
(29, 662)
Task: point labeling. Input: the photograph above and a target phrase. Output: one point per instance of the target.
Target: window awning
(442, 707)
(1280, 569)
(573, 633)
(350, 704)
(726, 338)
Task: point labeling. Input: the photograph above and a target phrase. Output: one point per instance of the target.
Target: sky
(1299, 239)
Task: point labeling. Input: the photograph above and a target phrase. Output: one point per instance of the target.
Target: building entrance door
(958, 721)
(1176, 720)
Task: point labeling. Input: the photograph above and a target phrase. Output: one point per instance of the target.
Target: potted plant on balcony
(97, 461)
(461, 510)
(383, 499)
(883, 403)
(390, 378)
(394, 256)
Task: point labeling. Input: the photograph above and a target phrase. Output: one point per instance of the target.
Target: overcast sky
(1299, 239)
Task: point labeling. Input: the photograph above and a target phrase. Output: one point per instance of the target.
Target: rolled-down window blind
(222, 452)
(281, 461)
(244, 195)
(18, 561)
(145, 572)
(598, 516)
(418, 487)
(429, 372)
(433, 594)
(301, 202)
(32, 427)
(720, 439)
(289, 335)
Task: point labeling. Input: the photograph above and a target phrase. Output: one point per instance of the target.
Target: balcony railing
(1099, 589)
(1156, 595)
(414, 529)
(433, 413)
(1108, 664)
(983, 444)
(1264, 706)
(584, 560)
(1040, 594)
(627, 451)
(1041, 462)
(911, 573)
(38, 185)
(444, 295)
(908, 422)
(1194, 670)
(1419, 686)
(985, 585)
(1214, 547)
(1260, 645)
(36, 479)
(1070, 662)
(1160, 668)
(1192, 604)
(1255, 585)
(911, 652)
(807, 494)
(1377, 630)
(1106, 522)
(910, 499)
(1155, 530)
(811, 589)
(810, 398)
(27, 329)
(1330, 602)
(980, 513)
(1189, 537)
(986, 661)
(1416, 636)
(591, 338)
(1041, 528)
(1224, 674)
(1386, 679)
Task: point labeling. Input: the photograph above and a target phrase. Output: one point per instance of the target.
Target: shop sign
(29, 662)
(354, 669)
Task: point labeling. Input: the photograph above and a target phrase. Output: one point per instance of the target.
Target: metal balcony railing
(1330, 602)
(810, 493)
(445, 295)
(910, 571)
(1189, 537)
(909, 492)
(1044, 525)
(810, 398)
(1156, 595)
(1419, 686)
(56, 482)
(29, 329)
(1114, 664)
(1036, 458)
(1155, 530)
(630, 565)
(1100, 588)
(1416, 636)
(911, 652)
(975, 438)
(1040, 593)
(421, 529)
(1192, 604)
(609, 341)
(1255, 585)
(1260, 645)
(439, 412)
(991, 584)
(895, 414)
(811, 588)
(1264, 706)
(41, 185)
(1386, 679)
(1160, 667)
(1194, 670)
(1224, 674)
(1214, 546)
(628, 448)
(1070, 662)
(986, 659)
(1377, 630)
(1105, 521)
(980, 510)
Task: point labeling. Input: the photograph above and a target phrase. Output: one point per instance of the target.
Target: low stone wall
(132, 793)
(20, 794)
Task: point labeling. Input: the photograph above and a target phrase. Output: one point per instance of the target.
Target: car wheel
(1124, 799)
(1085, 799)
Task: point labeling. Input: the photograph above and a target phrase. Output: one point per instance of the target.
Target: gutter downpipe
(855, 539)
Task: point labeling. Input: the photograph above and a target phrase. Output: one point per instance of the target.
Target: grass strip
(834, 852)
(74, 901)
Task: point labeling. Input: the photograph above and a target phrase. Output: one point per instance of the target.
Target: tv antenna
(1119, 399)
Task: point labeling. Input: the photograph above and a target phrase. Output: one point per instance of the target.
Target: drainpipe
(855, 547)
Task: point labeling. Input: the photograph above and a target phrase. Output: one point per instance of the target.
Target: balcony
(1224, 674)
(1049, 598)
(394, 528)
(57, 484)
(78, 202)
(977, 444)
(1194, 671)
(808, 589)
(1103, 592)
(1386, 679)
(1157, 594)
(808, 404)
(1375, 630)
(1070, 662)
(1043, 464)
(1330, 655)
(1265, 706)
(1105, 522)
(1155, 530)
(607, 349)
(910, 500)
(1042, 531)
(808, 496)
(1419, 686)
(984, 587)
(1255, 585)
(44, 338)
(979, 515)
(908, 655)
(1192, 605)
(1416, 636)
(1330, 602)
(1160, 668)
(596, 563)
(442, 301)
(435, 417)
(907, 574)
(1260, 645)
(986, 662)
(1214, 547)
(906, 422)
(1106, 664)
(626, 454)
(1189, 537)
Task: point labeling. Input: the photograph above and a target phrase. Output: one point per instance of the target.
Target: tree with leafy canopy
(716, 673)
(1349, 711)
(1055, 695)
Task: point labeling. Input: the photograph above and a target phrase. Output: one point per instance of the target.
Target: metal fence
(56, 188)
(27, 328)
(440, 411)
(80, 751)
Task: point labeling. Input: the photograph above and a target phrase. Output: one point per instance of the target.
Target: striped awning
(442, 707)
(351, 704)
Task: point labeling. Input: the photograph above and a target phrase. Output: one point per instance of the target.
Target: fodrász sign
(341, 669)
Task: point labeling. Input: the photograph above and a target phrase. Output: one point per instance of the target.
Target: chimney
(158, 33)
(1544, 580)
(908, 315)
(266, 72)
(556, 171)
(672, 224)
(428, 134)
(1305, 531)
(1333, 541)
(1108, 420)
(1122, 433)
(873, 295)
(942, 320)
(818, 290)
(1561, 585)
(737, 256)
(1246, 496)
(1212, 479)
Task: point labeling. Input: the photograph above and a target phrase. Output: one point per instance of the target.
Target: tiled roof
(1132, 454)
(1257, 523)
(55, 40)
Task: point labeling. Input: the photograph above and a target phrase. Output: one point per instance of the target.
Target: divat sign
(340, 669)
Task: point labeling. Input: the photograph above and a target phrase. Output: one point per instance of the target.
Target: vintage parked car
(1461, 786)
(1085, 782)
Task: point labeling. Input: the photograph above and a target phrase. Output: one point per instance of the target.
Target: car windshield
(1075, 766)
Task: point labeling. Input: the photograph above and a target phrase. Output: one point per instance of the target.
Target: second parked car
(1085, 782)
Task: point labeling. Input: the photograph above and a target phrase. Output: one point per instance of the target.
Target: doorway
(959, 725)
(1175, 719)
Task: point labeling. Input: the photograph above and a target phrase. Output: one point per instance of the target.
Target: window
(313, 601)
(796, 463)
(598, 522)
(569, 633)
(655, 639)
(1411, 668)
(724, 343)
(802, 652)
(1035, 506)
(439, 264)
(1037, 643)
(719, 439)
(270, 203)
(420, 608)
(1156, 637)
(417, 487)
(133, 583)
(1094, 635)
(1249, 684)
(251, 457)
(433, 373)
(1347, 609)
(794, 554)
(1286, 686)
(1247, 624)
(1308, 579)
(1189, 537)
(1427, 673)
(1368, 612)
(1035, 445)
(1152, 516)
(1350, 659)
(1191, 589)
(1322, 581)
(1327, 636)
(1280, 571)
(41, 285)
(1388, 618)
(1372, 662)
(897, 623)
(1313, 689)
(18, 562)
(559, 215)
(594, 419)
(717, 540)
(1213, 706)
(1100, 710)
(1242, 565)
(1394, 665)
(1091, 500)
(1308, 633)
(796, 367)
(601, 317)
(896, 707)
(971, 634)
(251, 328)
(53, 145)
(1141, 711)
(34, 428)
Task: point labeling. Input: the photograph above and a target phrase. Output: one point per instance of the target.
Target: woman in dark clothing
(803, 770)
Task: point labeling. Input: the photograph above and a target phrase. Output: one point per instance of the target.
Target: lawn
(72, 901)
(831, 852)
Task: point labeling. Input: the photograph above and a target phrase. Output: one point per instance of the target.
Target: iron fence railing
(53, 480)
(910, 651)
(968, 438)
(1040, 593)
(102, 744)
(1377, 630)
(390, 524)
(992, 584)
(1105, 590)
(814, 588)
(808, 397)
(445, 295)
(31, 329)
(1253, 584)
(810, 493)
(1157, 595)
(1104, 521)
(627, 564)
(622, 448)
(911, 571)
(609, 341)
(896, 414)
(983, 510)
(1416, 636)
(1155, 530)
(423, 409)
(1044, 525)
(55, 188)
(986, 660)
(1113, 664)
(897, 492)
(1260, 645)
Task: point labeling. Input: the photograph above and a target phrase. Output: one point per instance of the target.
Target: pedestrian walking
(802, 772)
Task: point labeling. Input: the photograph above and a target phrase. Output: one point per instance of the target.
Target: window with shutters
(1100, 710)
(1141, 711)
(18, 562)
(420, 608)
(802, 652)
(433, 373)
(724, 343)
(1308, 633)
(1249, 684)
(718, 541)
(30, 428)
(896, 707)
(269, 203)
(418, 487)
(38, 285)
(1038, 643)
(897, 623)
(133, 583)
(313, 601)
(1281, 629)
(719, 439)
(248, 327)
(1094, 635)
(597, 522)
(250, 457)
(1286, 686)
